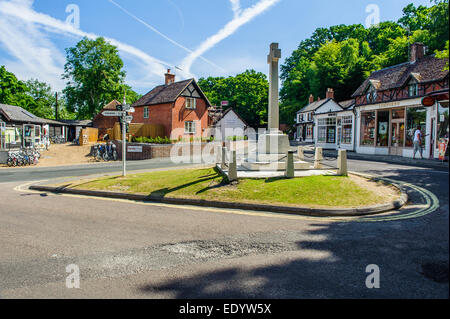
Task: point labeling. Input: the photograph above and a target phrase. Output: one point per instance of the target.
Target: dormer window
(371, 95)
(413, 89)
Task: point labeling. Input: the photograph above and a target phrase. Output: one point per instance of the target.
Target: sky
(194, 38)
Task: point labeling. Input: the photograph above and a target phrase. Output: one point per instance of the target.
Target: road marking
(431, 205)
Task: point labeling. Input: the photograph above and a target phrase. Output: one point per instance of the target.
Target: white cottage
(335, 125)
(230, 125)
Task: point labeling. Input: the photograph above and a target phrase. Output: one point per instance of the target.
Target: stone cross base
(273, 142)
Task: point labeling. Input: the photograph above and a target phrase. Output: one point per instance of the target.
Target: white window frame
(190, 127)
(413, 89)
(2, 135)
(190, 101)
(146, 112)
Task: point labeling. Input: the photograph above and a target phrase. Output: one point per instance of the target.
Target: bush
(149, 140)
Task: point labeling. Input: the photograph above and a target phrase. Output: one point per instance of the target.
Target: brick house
(388, 107)
(103, 123)
(181, 107)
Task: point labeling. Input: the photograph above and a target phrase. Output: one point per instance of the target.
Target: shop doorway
(397, 137)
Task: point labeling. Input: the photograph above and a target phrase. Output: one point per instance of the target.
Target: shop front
(335, 130)
(389, 129)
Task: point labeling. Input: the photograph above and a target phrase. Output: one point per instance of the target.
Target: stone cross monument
(275, 142)
(272, 59)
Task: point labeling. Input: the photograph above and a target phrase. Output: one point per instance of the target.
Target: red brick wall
(172, 117)
(158, 114)
(181, 115)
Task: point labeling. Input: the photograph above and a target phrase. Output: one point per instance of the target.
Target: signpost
(225, 103)
(122, 113)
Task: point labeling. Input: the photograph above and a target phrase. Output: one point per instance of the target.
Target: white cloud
(31, 47)
(241, 17)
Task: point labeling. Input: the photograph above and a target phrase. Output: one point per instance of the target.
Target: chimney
(311, 99)
(330, 93)
(170, 78)
(417, 52)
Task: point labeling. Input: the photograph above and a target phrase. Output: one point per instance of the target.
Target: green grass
(314, 191)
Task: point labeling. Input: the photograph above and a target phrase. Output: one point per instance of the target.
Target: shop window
(383, 128)
(331, 134)
(415, 117)
(322, 136)
(368, 129)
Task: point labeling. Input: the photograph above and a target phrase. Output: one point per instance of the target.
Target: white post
(224, 157)
(342, 163)
(124, 146)
(290, 170)
(232, 168)
(318, 158)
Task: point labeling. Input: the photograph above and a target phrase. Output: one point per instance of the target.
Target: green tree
(44, 100)
(247, 93)
(12, 90)
(95, 77)
(444, 55)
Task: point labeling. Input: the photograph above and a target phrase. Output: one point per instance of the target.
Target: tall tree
(12, 90)
(95, 77)
(247, 93)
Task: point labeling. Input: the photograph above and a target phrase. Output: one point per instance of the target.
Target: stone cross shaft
(274, 109)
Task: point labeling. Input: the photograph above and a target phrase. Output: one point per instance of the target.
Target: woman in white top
(418, 142)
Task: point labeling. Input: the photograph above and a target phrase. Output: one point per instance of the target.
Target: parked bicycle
(58, 139)
(23, 157)
(106, 152)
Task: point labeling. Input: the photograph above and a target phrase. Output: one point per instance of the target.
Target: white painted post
(224, 158)
(232, 167)
(290, 170)
(342, 163)
(300, 153)
(124, 145)
(218, 154)
(318, 158)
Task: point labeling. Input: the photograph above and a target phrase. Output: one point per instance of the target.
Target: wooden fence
(138, 130)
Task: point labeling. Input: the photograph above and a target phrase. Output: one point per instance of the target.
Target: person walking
(418, 142)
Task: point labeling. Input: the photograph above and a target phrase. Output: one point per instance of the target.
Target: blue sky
(200, 37)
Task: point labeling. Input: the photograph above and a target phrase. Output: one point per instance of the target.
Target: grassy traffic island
(208, 184)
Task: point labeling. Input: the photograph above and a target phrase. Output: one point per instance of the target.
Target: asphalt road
(141, 250)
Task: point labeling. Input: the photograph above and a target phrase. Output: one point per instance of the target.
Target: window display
(368, 129)
(415, 117)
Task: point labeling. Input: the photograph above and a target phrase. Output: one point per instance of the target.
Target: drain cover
(437, 271)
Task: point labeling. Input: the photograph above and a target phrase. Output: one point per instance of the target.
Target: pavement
(127, 249)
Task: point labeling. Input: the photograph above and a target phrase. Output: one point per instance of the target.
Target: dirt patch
(65, 154)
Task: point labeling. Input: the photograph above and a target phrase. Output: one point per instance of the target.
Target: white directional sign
(112, 113)
(128, 118)
(131, 110)
(126, 107)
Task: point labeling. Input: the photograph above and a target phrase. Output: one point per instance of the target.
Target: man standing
(418, 142)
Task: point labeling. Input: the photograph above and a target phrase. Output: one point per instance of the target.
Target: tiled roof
(77, 122)
(163, 94)
(18, 114)
(347, 104)
(313, 106)
(424, 70)
(112, 105)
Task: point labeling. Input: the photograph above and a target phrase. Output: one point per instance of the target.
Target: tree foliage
(341, 57)
(247, 93)
(95, 77)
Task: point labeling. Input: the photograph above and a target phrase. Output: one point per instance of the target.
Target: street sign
(131, 110)
(112, 113)
(126, 107)
(128, 118)
(225, 103)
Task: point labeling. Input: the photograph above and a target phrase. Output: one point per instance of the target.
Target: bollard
(300, 153)
(218, 154)
(290, 170)
(342, 163)
(232, 168)
(318, 158)
(223, 164)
